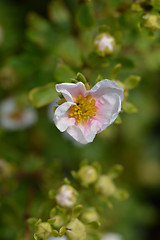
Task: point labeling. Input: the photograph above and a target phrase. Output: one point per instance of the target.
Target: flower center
(84, 108)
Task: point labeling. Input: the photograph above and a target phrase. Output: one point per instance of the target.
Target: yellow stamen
(84, 108)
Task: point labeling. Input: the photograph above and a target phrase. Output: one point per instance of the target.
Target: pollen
(84, 108)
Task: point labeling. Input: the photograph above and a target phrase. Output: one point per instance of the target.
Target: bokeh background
(50, 41)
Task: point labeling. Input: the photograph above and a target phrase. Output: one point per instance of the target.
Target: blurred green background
(50, 41)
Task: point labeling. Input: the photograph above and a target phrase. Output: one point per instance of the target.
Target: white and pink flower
(84, 113)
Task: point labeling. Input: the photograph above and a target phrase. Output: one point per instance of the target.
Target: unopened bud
(59, 221)
(76, 230)
(44, 230)
(104, 44)
(105, 185)
(87, 175)
(66, 196)
(152, 21)
(89, 215)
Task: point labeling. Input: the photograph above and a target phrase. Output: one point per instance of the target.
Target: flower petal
(61, 118)
(108, 109)
(71, 90)
(104, 87)
(85, 133)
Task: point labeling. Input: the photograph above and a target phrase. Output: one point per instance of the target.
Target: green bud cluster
(71, 216)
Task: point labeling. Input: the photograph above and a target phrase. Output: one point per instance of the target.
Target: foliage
(43, 43)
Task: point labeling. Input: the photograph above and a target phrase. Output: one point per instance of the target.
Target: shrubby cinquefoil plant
(71, 216)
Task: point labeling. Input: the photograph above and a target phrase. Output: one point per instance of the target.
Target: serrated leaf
(129, 107)
(64, 73)
(42, 96)
(132, 81)
(115, 71)
(84, 16)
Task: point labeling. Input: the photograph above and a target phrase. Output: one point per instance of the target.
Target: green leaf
(99, 78)
(69, 51)
(66, 181)
(51, 220)
(95, 61)
(103, 28)
(76, 211)
(42, 96)
(118, 120)
(94, 225)
(115, 171)
(115, 71)
(38, 222)
(52, 194)
(40, 31)
(62, 231)
(109, 204)
(74, 174)
(54, 233)
(84, 16)
(35, 236)
(97, 166)
(32, 221)
(129, 107)
(136, 7)
(121, 194)
(53, 212)
(64, 73)
(81, 78)
(132, 81)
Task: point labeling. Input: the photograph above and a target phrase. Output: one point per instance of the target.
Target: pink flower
(84, 113)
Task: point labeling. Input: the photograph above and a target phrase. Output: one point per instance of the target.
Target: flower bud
(104, 44)
(152, 21)
(59, 221)
(44, 230)
(89, 215)
(105, 185)
(76, 230)
(87, 175)
(66, 196)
